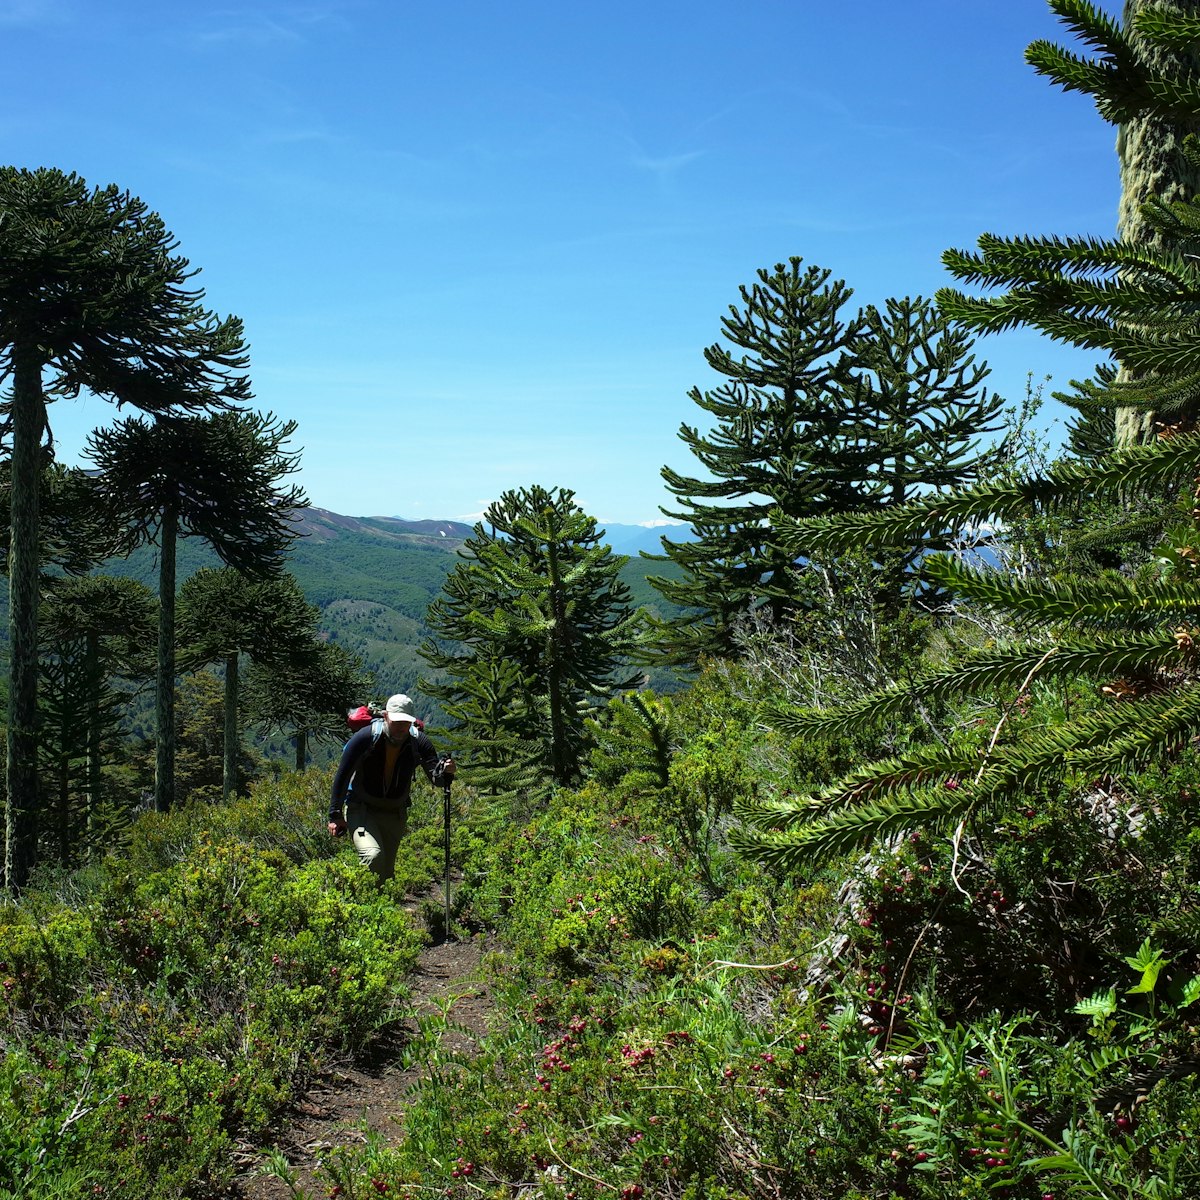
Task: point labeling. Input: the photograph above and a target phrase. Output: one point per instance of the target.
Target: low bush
(207, 984)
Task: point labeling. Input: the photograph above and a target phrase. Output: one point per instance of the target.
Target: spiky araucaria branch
(935, 788)
(1162, 465)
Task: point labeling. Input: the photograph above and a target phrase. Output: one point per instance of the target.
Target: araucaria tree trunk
(21, 805)
(232, 744)
(164, 691)
(1153, 166)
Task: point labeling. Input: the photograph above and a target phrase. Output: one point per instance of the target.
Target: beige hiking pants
(376, 827)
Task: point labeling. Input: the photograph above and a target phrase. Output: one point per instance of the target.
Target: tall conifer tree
(923, 412)
(225, 614)
(1135, 636)
(219, 478)
(1144, 77)
(92, 297)
(307, 692)
(823, 414)
(538, 589)
(95, 629)
(778, 424)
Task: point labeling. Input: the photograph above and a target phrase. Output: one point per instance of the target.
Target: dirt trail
(370, 1095)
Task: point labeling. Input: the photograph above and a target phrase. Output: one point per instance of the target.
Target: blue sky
(478, 246)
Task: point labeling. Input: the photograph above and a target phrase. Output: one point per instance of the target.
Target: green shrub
(208, 985)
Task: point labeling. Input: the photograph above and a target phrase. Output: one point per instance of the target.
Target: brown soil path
(372, 1095)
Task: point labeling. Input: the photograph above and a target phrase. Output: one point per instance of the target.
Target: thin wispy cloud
(284, 27)
(246, 29)
(668, 165)
(18, 13)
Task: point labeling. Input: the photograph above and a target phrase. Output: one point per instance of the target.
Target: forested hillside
(894, 895)
(373, 579)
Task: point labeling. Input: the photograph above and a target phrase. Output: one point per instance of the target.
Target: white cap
(400, 708)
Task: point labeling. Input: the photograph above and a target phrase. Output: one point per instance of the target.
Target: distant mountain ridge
(624, 539)
(632, 539)
(322, 525)
(373, 579)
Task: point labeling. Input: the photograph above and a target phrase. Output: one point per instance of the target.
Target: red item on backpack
(360, 718)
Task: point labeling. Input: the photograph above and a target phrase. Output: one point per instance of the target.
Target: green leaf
(1191, 992)
(1098, 1006)
(1150, 962)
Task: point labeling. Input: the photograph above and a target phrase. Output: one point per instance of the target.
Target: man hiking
(381, 760)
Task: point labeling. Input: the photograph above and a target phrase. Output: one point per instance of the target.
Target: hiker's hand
(448, 768)
(337, 828)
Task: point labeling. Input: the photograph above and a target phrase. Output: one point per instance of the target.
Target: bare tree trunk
(164, 688)
(21, 803)
(91, 799)
(64, 811)
(560, 765)
(229, 776)
(301, 749)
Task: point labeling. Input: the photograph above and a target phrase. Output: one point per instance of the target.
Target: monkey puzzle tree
(307, 693)
(1138, 639)
(779, 423)
(823, 414)
(218, 478)
(95, 628)
(224, 614)
(1093, 292)
(490, 713)
(923, 411)
(1137, 636)
(538, 589)
(74, 536)
(92, 298)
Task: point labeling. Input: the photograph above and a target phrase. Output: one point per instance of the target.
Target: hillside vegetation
(373, 579)
(671, 1020)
